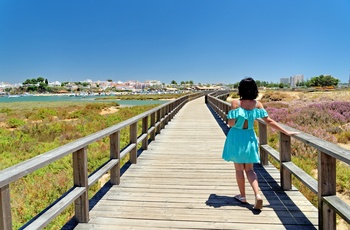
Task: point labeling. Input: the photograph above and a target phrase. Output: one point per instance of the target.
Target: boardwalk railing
(78, 194)
(329, 204)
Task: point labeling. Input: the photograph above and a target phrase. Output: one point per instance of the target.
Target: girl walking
(241, 145)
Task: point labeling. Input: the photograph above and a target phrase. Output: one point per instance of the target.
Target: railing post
(264, 160)
(172, 112)
(227, 109)
(153, 122)
(326, 187)
(80, 177)
(145, 131)
(133, 140)
(158, 121)
(162, 115)
(115, 154)
(166, 121)
(285, 156)
(5, 211)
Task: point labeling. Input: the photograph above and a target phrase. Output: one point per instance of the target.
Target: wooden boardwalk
(181, 182)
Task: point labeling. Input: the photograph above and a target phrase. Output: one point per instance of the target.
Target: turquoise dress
(241, 145)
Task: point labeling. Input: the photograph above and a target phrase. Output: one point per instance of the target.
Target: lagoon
(60, 98)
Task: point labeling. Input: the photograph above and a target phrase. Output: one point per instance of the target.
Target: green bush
(343, 137)
(15, 123)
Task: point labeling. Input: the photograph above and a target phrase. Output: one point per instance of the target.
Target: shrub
(274, 96)
(42, 113)
(15, 123)
(343, 137)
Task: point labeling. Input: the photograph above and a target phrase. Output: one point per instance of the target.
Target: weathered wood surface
(181, 182)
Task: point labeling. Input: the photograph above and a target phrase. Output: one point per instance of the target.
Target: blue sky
(206, 41)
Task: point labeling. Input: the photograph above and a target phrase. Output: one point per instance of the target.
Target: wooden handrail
(78, 194)
(329, 204)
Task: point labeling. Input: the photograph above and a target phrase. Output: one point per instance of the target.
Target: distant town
(41, 85)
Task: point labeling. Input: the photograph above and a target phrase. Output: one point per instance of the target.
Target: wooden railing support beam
(145, 131)
(133, 140)
(80, 178)
(158, 120)
(326, 187)
(115, 154)
(264, 160)
(153, 122)
(5, 208)
(285, 156)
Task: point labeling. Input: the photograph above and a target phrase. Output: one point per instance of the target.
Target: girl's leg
(252, 178)
(240, 178)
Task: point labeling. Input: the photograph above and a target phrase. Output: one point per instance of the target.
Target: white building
(54, 83)
(285, 81)
(292, 81)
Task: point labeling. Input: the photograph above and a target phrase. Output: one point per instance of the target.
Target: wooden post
(80, 177)
(114, 140)
(5, 208)
(264, 159)
(145, 131)
(166, 109)
(227, 109)
(158, 120)
(133, 139)
(170, 111)
(153, 122)
(285, 156)
(326, 187)
(162, 115)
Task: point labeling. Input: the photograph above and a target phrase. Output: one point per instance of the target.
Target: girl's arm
(273, 124)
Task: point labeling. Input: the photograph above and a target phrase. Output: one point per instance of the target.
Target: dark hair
(247, 89)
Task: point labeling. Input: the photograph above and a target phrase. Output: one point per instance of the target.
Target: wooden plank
(48, 215)
(274, 153)
(342, 208)
(129, 223)
(305, 178)
(101, 171)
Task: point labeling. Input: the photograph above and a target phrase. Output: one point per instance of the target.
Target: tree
(173, 82)
(109, 80)
(323, 81)
(42, 87)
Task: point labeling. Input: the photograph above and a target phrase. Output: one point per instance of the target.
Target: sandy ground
(109, 110)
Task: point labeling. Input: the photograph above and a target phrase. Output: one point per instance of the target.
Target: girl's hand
(292, 133)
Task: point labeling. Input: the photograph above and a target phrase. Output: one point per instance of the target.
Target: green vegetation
(322, 81)
(28, 131)
(324, 115)
(142, 97)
